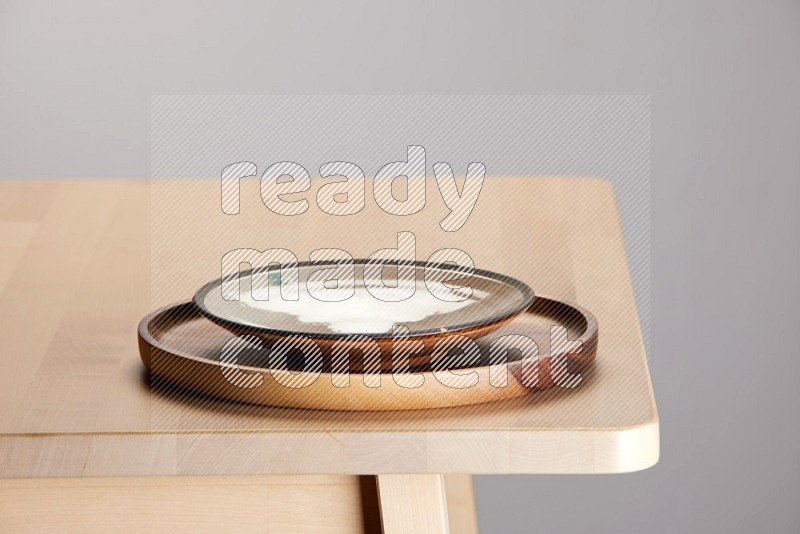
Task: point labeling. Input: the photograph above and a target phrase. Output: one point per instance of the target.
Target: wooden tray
(180, 346)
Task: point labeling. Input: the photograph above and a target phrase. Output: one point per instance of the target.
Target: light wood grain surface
(174, 505)
(413, 503)
(82, 261)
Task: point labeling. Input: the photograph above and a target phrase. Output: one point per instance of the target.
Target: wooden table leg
(419, 503)
(461, 504)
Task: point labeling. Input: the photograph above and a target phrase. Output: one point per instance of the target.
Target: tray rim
(431, 395)
(588, 338)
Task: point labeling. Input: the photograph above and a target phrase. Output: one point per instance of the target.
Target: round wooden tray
(179, 345)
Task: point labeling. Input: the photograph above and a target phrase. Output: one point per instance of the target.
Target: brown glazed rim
(199, 374)
(527, 299)
(558, 308)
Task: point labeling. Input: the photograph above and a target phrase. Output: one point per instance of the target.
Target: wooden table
(85, 446)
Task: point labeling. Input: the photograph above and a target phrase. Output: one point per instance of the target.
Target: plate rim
(527, 292)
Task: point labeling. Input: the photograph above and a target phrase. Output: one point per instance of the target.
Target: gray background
(75, 87)
(608, 136)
